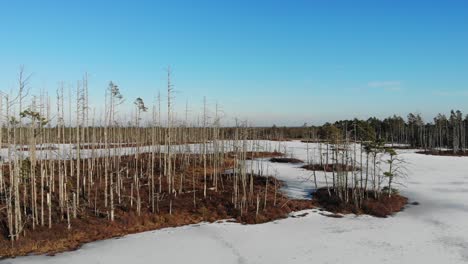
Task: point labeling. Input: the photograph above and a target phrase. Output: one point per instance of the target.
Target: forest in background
(443, 132)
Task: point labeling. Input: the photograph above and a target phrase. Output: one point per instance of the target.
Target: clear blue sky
(283, 62)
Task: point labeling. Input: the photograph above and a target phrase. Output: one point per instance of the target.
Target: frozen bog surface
(433, 231)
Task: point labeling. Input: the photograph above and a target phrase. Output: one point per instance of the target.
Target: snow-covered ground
(67, 151)
(435, 231)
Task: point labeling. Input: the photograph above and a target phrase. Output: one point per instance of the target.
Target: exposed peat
(187, 206)
(286, 160)
(381, 206)
(280, 139)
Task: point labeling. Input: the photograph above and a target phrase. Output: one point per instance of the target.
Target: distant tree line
(441, 132)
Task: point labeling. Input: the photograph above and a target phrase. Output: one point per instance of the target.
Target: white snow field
(435, 231)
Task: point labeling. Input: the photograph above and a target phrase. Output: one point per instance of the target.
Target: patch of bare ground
(313, 141)
(286, 160)
(400, 147)
(382, 206)
(188, 206)
(329, 167)
(111, 145)
(280, 139)
(450, 153)
(256, 155)
(89, 228)
(125, 145)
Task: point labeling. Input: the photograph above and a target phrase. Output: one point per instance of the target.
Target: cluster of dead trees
(354, 172)
(94, 166)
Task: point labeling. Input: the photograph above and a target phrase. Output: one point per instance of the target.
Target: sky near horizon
(271, 62)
